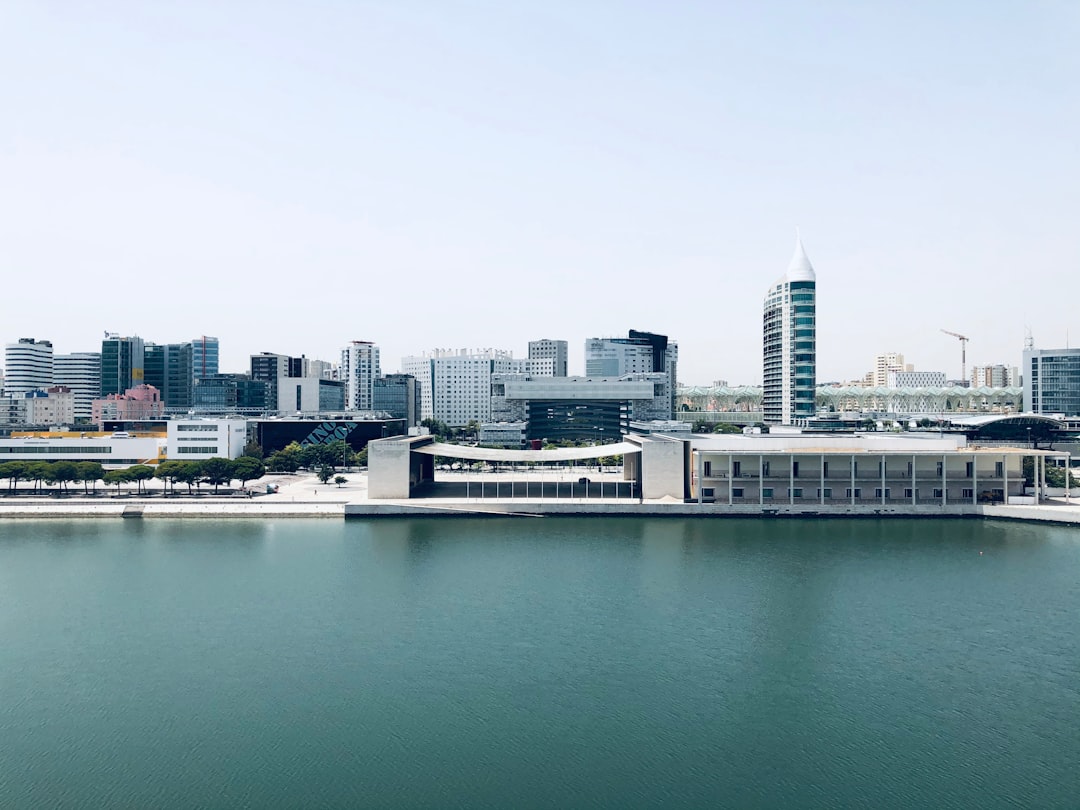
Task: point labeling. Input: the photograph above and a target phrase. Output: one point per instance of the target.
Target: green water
(539, 663)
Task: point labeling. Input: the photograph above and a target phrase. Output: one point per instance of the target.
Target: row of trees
(315, 457)
(215, 471)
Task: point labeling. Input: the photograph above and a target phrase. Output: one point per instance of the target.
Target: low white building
(198, 439)
(118, 450)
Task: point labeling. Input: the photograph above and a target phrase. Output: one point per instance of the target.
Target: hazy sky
(292, 176)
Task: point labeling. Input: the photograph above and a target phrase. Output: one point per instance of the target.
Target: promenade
(301, 495)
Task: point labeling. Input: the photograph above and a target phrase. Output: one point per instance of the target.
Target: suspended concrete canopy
(497, 454)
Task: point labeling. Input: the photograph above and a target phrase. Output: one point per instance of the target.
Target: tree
(247, 468)
(286, 460)
(360, 459)
(702, 426)
(13, 471)
(340, 479)
(89, 472)
(325, 472)
(189, 472)
(217, 471)
(63, 472)
(252, 450)
(37, 471)
(140, 473)
(169, 472)
(726, 427)
(117, 477)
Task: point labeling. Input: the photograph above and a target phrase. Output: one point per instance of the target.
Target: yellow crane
(963, 352)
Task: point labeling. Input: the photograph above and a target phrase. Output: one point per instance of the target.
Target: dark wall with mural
(276, 434)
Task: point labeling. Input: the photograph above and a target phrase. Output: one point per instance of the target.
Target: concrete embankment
(88, 508)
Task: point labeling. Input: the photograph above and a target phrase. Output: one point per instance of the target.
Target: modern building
(205, 352)
(556, 350)
(276, 434)
(638, 353)
(504, 434)
(81, 372)
(122, 363)
(1052, 381)
(28, 366)
(399, 396)
(359, 370)
(915, 379)
(112, 452)
(455, 386)
(169, 368)
(999, 376)
(139, 402)
(790, 344)
(197, 439)
(229, 394)
(886, 363)
(309, 396)
(591, 409)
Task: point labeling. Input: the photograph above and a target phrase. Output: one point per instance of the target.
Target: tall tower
(790, 344)
(122, 363)
(360, 368)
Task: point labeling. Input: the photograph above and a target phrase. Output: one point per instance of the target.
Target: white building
(999, 376)
(455, 386)
(28, 366)
(639, 353)
(196, 439)
(81, 372)
(916, 379)
(886, 363)
(53, 406)
(112, 452)
(554, 350)
(789, 361)
(359, 370)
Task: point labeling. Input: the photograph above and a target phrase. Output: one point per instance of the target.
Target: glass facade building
(789, 344)
(1052, 381)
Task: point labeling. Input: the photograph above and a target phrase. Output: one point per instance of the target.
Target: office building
(999, 376)
(915, 379)
(399, 396)
(122, 363)
(53, 406)
(886, 363)
(28, 366)
(555, 350)
(1052, 381)
(638, 353)
(790, 344)
(80, 372)
(359, 369)
(205, 352)
(226, 394)
(169, 367)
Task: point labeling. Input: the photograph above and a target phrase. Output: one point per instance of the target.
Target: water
(539, 663)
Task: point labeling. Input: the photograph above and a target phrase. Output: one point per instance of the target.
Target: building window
(999, 468)
(858, 492)
(708, 492)
(877, 493)
(737, 492)
(764, 468)
(938, 492)
(825, 493)
(796, 492)
(706, 469)
(908, 492)
(940, 467)
(967, 493)
(969, 469)
(766, 492)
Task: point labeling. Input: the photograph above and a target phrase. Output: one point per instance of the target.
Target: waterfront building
(399, 396)
(28, 366)
(197, 439)
(555, 350)
(638, 353)
(122, 363)
(359, 369)
(113, 452)
(1052, 381)
(81, 372)
(140, 402)
(790, 344)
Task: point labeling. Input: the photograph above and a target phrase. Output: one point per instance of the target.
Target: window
(940, 467)
(967, 493)
(796, 492)
(938, 492)
(764, 468)
(795, 468)
(766, 492)
(737, 492)
(706, 469)
(999, 468)
(708, 492)
(736, 468)
(877, 493)
(825, 493)
(908, 492)
(969, 469)
(858, 492)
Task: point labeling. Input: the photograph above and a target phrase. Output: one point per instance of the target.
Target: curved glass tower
(790, 344)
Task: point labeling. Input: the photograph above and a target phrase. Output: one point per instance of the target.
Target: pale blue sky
(292, 176)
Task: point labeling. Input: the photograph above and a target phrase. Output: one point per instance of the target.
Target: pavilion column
(974, 479)
(791, 479)
(730, 479)
(761, 480)
(914, 490)
(944, 480)
(821, 490)
(882, 479)
(853, 479)
(1005, 472)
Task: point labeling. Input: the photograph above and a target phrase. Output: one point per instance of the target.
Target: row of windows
(797, 492)
(97, 450)
(211, 450)
(737, 471)
(199, 428)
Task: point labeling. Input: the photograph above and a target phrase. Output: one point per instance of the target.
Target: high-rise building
(999, 376)
(883, 364)
(122, 363)
(169, 368)
(399, 396)
(205, 352)
(359, 370)
(1052, 381)
(81, 372)
(28, 366)
(790, 344)
(638, 353)
(545, 349)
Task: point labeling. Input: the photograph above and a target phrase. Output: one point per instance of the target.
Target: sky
(468, 174)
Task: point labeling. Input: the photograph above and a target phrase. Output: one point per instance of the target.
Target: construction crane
(963, 352)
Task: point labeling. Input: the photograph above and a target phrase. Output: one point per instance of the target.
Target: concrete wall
(393, 470)
(663, 468)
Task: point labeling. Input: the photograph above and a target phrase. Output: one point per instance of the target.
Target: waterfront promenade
(303, 496)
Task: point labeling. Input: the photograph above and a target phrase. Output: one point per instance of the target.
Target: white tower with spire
(790, 343)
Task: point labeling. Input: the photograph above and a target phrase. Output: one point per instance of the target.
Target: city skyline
(420, 177)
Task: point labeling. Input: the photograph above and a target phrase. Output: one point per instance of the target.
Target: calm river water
(539, 663)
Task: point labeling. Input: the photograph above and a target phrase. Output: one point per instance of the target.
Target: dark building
(224, 394)
(122, 364)
(399, 396)
(169, 368)
(276, 434)
(599, 421)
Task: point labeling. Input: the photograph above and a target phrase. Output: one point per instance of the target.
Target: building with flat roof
(122, 363)
(557, 351)
(1052, 381)
(638, 353)
(790, 344)
(399, 396)
(359, 369)
(198, 439)
(81, 372)
(28, 366)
